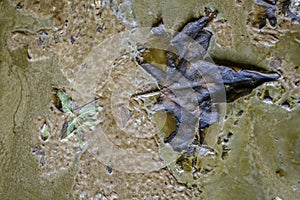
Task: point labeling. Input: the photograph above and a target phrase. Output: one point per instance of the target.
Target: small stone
(109, 169)
(72, 39)
(19, 6)
(99, 29)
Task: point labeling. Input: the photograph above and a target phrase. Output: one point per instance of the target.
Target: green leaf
(79, 137)
(45, 132)
(89, 110)
(68, 128)
(65, 101)
(84, 120)
(90, 123)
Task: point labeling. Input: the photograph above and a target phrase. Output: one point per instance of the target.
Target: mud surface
(47, 44)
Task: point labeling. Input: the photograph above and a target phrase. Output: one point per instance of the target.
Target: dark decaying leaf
(184, 84)
(270, 8)
(286, 10)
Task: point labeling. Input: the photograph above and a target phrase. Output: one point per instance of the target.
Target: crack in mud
(19, 102)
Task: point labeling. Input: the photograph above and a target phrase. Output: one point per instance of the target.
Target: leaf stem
(92, 101)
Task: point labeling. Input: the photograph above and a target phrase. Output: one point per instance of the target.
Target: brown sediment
(256, 149)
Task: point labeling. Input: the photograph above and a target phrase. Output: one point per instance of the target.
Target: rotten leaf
(191, 87)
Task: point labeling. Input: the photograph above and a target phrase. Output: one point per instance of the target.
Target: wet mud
(252, 152)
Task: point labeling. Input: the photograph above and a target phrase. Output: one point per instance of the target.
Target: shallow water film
(152, 99)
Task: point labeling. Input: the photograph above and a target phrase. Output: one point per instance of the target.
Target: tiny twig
(79, 107)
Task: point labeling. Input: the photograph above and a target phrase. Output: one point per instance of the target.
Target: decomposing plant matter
(191, 87)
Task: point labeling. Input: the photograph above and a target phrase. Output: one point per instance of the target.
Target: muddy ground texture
(51, 44)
